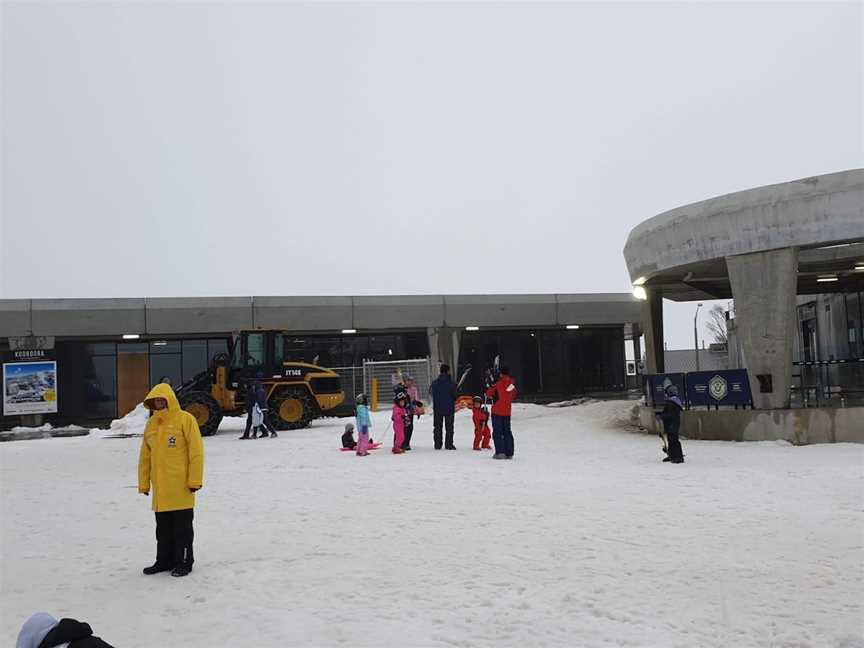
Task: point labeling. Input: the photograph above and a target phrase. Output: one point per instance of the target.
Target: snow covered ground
(585, 539)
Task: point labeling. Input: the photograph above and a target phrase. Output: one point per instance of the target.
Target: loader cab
(254, 356)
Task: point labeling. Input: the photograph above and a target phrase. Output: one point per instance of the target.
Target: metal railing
(389, 373)
(828, 383)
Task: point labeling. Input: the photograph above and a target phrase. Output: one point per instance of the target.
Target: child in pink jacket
(399, 413)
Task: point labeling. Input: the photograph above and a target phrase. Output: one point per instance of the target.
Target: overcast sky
(234, 149)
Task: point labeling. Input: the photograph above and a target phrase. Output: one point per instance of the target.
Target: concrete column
(434, 356)
(637, 345)
(764, 285)
(454, 351)
(653, 322)
(444, 347)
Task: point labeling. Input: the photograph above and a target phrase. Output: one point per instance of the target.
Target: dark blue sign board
(727, 387)
(656, 385)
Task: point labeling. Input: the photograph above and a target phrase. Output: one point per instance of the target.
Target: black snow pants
(447, 420)
(174, 535)
(673, 443)
(409, 430)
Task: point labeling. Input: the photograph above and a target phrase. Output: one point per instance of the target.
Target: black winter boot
(155, 568)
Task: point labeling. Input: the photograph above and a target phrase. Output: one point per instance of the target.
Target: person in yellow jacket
(172, 461)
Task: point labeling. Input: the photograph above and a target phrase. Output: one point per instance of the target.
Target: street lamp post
(696, 334)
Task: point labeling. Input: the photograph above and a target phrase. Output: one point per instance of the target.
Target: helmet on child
(400, 395)
(477, 399)
(672, 390)
(349, 427)
(361, 399)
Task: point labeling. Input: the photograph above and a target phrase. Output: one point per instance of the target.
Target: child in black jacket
(671, 417)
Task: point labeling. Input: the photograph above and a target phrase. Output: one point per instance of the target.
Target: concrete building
(684, 360)
(763, 248)
(827, 349)
(109, 351)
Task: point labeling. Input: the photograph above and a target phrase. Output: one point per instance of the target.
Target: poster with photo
(29, 388)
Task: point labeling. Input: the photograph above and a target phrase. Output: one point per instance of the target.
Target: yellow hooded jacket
(172, 454)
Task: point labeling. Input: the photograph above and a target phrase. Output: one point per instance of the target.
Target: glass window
(100, 386)
(215, 347)
(167, 365)
(194, 358)
(380, 347)
(279, 349)
(102, 348)
(165, 346)
(255, 350)
(133, 347)
(415, 345)
(237, 354)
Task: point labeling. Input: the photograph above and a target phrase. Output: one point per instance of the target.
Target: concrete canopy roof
(195, 316)
(684, 250)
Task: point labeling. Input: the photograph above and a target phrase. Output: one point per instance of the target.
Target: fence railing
(388, 373)
(359, 380)
(828, 383)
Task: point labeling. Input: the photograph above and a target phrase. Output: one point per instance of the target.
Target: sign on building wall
(656, 387)
(729, 387)
(29, 388)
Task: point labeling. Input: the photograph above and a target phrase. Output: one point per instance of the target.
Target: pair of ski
(492, 375)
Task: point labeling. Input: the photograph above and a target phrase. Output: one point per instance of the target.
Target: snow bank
(130, 425)
(42, 428)
(571, 403)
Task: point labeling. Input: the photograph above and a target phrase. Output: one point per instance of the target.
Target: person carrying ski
(348, 441)
(259, 414)
(482, 436)
(400, 415)
(414, 407)
(171, 461)
(671, 417)
(502, 393)
(443, 391)
(364, 424)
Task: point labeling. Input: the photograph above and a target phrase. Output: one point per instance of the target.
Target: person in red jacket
(502, 393)
(481, 425)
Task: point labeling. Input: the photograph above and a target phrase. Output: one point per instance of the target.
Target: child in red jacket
(481, 425)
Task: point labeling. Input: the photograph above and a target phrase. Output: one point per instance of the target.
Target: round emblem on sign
(718, 388)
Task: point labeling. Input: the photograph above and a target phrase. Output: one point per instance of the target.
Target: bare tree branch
(716, 324)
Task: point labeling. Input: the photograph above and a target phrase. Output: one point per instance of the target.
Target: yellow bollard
(373, 399)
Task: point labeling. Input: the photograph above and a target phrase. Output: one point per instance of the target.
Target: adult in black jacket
(44, 631)
(443, 391)
(250, 405)
(671, 417)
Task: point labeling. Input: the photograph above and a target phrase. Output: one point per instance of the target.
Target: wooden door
(133, 380)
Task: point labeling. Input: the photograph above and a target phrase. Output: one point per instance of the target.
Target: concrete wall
(807, 212)
(303, 313)
(15, 317)
(87, 316)
(113, 317)
(202, 315)
(798, 426)
(684, 360)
